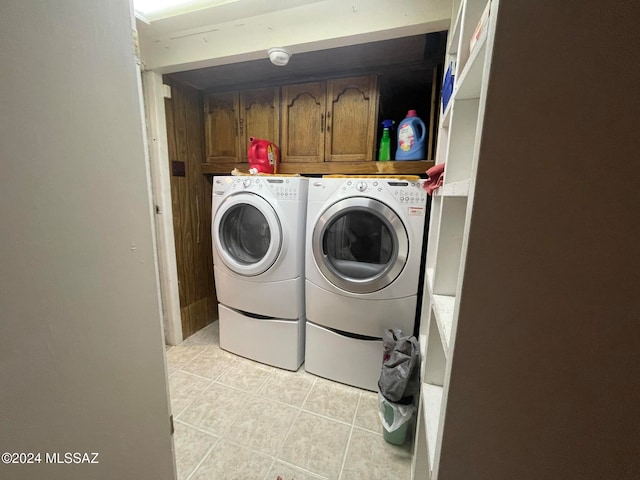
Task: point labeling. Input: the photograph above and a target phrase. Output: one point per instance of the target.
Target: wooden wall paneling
(206, 188)
(197, 313)
(193, 130)
(186, 206)
(169, 104)
(352, 110)
(303, 122)
(191, 197)
(186, 321)
(203, 266)
(259, 117)
(222, 127)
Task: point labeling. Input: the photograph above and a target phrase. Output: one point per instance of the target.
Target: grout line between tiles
(191, 359)
(262, 396)
(196, 375)
(176, 416)
(266, 475)
(313, 384)
(300, 469)
(200, 429)
(251, 449)
(356, 427)
(215, 444)
(281, 446)
(195, 397)
(207, 378)
(326, 417)
(346, 450)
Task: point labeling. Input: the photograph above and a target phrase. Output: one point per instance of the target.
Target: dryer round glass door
(247, 234)
(360, 245)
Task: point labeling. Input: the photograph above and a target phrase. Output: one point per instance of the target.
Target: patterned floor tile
(316, 444)
(211, 363)
(368, 414)
(246, 375)
(288, 387)
(332, 400)
(191, 446)
(232, 462)
(183, 389)
(263, 425)
(371, 458)
(215, 409)
(289, 472)
(182, 354)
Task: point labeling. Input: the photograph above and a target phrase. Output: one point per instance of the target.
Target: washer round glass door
(360, 245)
(247, 234)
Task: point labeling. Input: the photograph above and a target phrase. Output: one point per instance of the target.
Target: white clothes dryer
(363, 255)
(258, 233)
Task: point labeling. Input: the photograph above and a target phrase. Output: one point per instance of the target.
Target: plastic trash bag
(394, 416)
(399, 377)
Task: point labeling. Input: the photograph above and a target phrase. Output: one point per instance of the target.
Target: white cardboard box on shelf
(482, 23)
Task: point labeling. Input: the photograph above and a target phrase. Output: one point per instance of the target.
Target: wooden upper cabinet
(221, 112)
(303, 122)
(259, 117)
(232, 117)
(352, 111)
(330, 121)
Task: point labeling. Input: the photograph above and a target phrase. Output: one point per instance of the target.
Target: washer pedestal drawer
(272, 341)
(345, 359)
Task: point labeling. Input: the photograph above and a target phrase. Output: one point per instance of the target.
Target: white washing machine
(258, 232)
(364, 248)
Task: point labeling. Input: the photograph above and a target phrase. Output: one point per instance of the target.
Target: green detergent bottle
(385, 142)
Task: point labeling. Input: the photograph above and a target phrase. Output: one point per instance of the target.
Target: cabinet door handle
(328, 122)
(322, 123)
(241, 126)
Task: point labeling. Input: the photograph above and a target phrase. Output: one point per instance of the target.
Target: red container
(263, 156)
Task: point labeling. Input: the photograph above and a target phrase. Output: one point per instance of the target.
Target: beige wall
(544, 383)
(81, 351)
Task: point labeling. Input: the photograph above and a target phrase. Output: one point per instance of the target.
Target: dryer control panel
(405, 192)
(409, 193)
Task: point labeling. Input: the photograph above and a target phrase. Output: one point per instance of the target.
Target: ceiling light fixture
(279, 56)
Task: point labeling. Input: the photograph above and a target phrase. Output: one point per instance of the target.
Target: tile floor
(239, 419)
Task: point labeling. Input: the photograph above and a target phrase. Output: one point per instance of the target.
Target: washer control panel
(282, 188)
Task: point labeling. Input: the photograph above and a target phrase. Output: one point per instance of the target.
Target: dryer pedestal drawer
(345, 359)
(272, 341)
(369, 316)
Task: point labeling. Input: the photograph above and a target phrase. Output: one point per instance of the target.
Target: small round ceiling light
(279, 56)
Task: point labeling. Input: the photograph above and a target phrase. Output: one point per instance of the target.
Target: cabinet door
(352, 110)
(303, 122)
(221, 112)
(259, 117)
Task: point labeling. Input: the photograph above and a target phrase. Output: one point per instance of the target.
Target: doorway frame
(155, 92)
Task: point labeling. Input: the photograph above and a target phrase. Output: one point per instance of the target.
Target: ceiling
(405, 60)
(171, 17)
